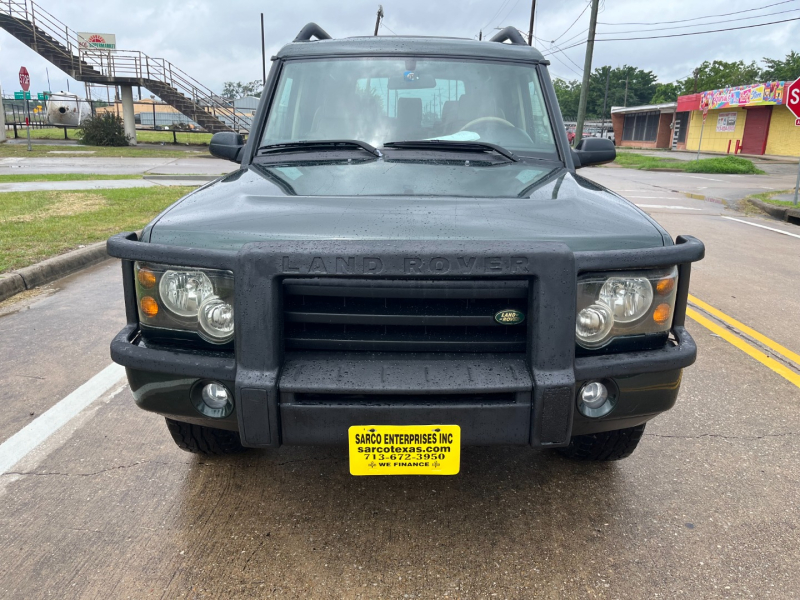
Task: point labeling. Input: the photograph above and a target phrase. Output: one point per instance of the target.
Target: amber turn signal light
(663, 287)
(149, 306)
(661, 313)
(147, 278)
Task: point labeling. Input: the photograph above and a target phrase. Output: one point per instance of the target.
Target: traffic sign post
(25, 82)
(704, 106)
(793, 104)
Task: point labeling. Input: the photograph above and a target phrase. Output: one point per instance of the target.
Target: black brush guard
(275, 391)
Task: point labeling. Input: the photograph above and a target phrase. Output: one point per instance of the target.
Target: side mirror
(593, 151)
(227, 145)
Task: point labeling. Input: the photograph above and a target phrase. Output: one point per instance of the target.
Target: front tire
(604, 446)
(204, 440)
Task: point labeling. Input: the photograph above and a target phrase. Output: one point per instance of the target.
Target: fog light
(216, 396)
(595, 399)
(212, 399)
(593, 394)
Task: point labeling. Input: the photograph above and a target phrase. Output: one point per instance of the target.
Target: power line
(578, 73)
(780, 12)
(652, 37)
(573, 23)
(383, 24)
(510, 10)
(738, 12)
(565, 54)
(489, 22)
(574, 37)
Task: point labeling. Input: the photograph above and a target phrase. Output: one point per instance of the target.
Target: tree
(232, 90)
(665, 92)
(787, 69)
(568, 94)
(720, 74)
(641, 88)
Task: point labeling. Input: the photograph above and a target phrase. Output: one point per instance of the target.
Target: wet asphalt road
(707, 507)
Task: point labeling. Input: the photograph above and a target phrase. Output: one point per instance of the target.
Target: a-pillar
(128, 118)
(2, 119)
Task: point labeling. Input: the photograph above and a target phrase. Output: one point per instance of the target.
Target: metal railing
(115, 65)
(149, 116)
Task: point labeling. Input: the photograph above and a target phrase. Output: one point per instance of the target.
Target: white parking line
(707, 178)
(667, 206)
(15, 448)
(763, 227)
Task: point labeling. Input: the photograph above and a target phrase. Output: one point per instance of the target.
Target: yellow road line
(772, 345)
(748, 349)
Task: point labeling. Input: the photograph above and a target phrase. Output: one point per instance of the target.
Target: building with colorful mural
(745, 119)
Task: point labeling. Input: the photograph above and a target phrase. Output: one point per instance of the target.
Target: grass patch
(62, 177)
(721, 165)
(42, 150)
(38, 225)
(146, 137)
(769, 198)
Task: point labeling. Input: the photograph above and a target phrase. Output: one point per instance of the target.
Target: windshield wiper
(449, 145)
(311, 145)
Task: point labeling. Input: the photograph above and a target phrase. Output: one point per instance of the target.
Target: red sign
(793, 98)
(24, 79)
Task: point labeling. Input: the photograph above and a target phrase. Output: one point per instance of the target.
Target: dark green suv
(406, 261)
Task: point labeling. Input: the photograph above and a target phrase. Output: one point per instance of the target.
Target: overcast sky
(220, 41)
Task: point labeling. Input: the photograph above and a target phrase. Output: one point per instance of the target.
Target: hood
(388, 200)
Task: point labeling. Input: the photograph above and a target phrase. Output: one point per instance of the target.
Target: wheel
(204, 440)
(607, 445)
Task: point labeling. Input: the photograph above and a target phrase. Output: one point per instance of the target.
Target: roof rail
(509, 34)
(313, 30)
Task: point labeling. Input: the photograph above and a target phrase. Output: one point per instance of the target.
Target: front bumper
(312, 398)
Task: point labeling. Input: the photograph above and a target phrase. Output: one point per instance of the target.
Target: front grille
(402, 315)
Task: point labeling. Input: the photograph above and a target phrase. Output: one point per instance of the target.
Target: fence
(66, 113)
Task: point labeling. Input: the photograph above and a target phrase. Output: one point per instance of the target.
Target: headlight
(182, 292)
(628, 299)
(182, 299)
(619, 304)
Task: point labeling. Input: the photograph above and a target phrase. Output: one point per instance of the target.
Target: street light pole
(587, 70)
(378, 20)
(530, 29)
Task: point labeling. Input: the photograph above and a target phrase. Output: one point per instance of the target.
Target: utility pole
(480, 37)
(587, 71)
(263, 55)
(625, 101)
(378, 20)
(695, 80)
(605, 99)
(530, 29)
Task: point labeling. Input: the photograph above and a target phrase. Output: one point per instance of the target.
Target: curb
(693, 196)
(198, 178)
(782, 213)
(50, 269)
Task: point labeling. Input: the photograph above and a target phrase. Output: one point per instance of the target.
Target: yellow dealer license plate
(405, 449)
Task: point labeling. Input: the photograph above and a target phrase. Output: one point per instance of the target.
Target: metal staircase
(41, 31)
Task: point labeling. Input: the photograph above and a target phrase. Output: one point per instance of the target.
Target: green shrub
(723, 164)
(105, 129)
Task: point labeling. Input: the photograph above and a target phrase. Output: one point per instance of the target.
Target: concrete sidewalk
(195, 165)
(100, 184)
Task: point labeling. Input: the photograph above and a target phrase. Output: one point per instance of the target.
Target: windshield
(381, 100)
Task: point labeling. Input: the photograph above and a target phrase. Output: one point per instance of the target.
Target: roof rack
(314, 30)
(509, 34)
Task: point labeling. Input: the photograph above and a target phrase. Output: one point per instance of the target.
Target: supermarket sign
(98, 41)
